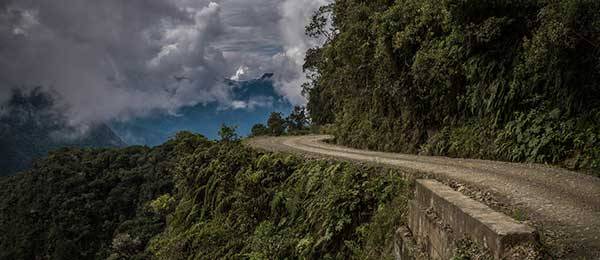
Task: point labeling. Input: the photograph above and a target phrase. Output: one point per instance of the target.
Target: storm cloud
(114, 59)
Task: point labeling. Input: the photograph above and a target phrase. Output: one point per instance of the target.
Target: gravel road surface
(565, 204)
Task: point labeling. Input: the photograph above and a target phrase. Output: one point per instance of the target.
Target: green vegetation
(196, 198)
(295, 124)
(297, 121)
(508, 80)
(75, 202)
(276, 124)
(228, 133)
(30, 127)
(519, 214)
(259, 130)
(236, 203)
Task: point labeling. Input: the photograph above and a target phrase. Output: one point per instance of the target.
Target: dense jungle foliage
(196, 198)
(72, 204)
(234, 202)
(508, 80)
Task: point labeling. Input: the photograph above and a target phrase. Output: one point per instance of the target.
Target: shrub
(237, 203)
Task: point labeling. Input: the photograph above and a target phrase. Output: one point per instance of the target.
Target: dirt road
(565, 204)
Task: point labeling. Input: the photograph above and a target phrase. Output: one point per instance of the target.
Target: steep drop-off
(196, 198)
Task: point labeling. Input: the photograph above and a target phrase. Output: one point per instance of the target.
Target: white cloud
(238, 104)
(26, 21)
(115, 59)
(296, 15)
(240, 73)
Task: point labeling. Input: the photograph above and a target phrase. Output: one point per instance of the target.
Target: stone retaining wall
(440, 216)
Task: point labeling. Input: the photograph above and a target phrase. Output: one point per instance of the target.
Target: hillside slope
(563, 205)
(30, 128)
(192, 198)
(503, 80)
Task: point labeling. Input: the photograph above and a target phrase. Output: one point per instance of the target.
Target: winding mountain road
(565, 203)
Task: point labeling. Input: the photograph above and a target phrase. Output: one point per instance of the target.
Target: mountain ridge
(30, 127)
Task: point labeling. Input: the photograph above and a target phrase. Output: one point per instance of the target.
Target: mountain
(195, 198)
(252, 102)
(502, 80)
(30, 128)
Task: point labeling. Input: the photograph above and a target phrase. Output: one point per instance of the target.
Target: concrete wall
(440, 216)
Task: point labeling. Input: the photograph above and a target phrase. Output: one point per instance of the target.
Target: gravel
(563, 205)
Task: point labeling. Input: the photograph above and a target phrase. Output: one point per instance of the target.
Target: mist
(118, 60)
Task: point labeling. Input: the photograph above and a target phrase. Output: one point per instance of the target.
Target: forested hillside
(507, 80)
(192, 198)
(31, 126)
(75, 203)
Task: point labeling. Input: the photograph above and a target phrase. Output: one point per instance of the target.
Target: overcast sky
(116, 59)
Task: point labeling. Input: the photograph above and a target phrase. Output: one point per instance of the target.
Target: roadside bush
(547, 136)
(472, 140)
(237, 203)
(539, 136)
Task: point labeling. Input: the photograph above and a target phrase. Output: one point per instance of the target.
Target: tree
(259, 129)
(124, 246)
(297, 120)
(109, 189)
(320, 24)
(421, 72)
(276, 124)
(228, 133)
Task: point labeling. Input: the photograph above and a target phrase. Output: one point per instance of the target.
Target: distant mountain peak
(267, 76)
